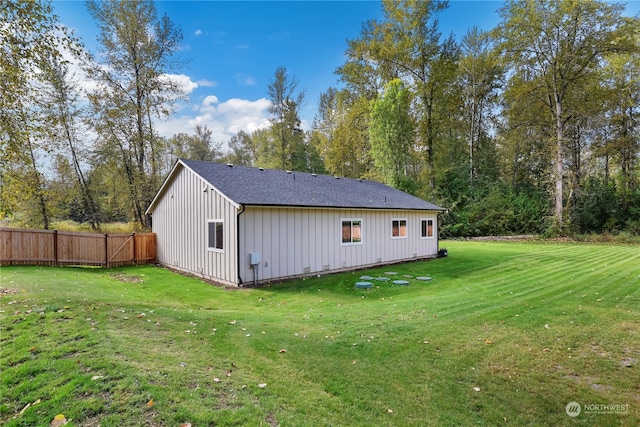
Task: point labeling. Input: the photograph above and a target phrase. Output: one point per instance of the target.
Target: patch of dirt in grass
(208, 281)
(599, 351)
(8, 291)
(150, 419)
(502, 370)
(125, 278)
(628, 362)
(272, 421)
(226, 402)
(600, 387)
(590, 381)
(91, 422)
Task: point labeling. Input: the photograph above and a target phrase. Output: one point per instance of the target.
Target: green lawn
(504, 334)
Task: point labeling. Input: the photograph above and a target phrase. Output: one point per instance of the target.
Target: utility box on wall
(254, 258)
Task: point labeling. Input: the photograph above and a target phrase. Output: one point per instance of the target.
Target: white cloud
(245, 80)
(225, 119)
(208, 100)
(206, 83)
(198, 32)
(184, 82)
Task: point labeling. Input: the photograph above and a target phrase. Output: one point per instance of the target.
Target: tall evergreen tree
(392, 136)
(287, 148)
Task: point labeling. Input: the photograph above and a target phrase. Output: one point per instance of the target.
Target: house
(237, 224)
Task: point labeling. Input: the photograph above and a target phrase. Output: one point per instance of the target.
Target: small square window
(399, 228)
(215, 235)
(426, 226)
(351, 231)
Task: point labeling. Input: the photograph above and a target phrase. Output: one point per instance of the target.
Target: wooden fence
(52, 247)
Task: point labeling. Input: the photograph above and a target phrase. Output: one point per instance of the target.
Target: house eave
(171, 175)
(333, 207)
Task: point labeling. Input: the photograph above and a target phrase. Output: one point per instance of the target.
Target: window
(351, 231)
(215, 235)
(427, 228)
(398, 228)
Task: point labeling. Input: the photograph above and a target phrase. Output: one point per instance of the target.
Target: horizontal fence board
(51, 247)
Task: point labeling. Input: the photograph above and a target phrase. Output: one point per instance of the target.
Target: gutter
(238, 243)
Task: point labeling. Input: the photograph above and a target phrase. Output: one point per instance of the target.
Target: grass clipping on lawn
(505, 333)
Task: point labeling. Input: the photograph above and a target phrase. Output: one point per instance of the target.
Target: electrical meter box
(254, 258)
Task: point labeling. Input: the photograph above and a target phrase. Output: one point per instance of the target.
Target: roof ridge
(262, 169)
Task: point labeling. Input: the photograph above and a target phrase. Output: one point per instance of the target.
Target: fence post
(106, 250)
(133, 235)
(55, 247)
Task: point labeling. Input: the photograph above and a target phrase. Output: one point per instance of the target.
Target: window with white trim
(215, 235)
(398, 228)
(426, 228)
(351, 231)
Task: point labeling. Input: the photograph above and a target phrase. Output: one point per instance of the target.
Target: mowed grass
(504, 334)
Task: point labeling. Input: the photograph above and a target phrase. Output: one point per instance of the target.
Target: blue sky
(233, 48)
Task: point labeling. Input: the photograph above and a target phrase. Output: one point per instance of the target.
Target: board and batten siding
(180, 223)
(301, 241)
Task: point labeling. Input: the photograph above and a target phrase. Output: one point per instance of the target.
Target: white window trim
(351, 243)
(433, 228)
(406, 224)
(209, 248)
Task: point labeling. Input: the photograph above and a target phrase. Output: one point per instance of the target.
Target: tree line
(531, 127)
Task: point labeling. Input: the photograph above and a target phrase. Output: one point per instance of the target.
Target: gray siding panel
(180, 223)
(299, 241)
(291, 241)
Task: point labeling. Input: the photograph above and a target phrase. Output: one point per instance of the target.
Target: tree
(241, 149)
(195, 147)
(391, 135)
(30, 36)
(406, 45)
(325, 122)
(65, 131)
(553, 46)
(134, 90)
(622, 80)
(348, 151)
(479, 78)
(287, 148)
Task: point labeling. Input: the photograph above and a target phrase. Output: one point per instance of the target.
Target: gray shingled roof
(270, 187)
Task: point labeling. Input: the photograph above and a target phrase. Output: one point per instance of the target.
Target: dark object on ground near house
(442, 253)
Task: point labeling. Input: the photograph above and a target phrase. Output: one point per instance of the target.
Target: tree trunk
(559, 166)
(39, 190)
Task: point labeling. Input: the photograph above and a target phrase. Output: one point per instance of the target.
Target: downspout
(238, 242)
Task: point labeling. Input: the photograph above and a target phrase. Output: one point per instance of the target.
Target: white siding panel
(180, 223)
(299, 241)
